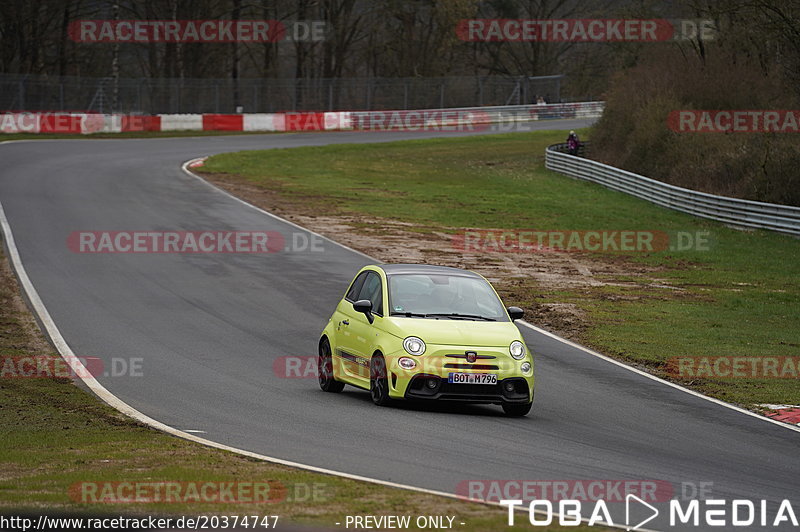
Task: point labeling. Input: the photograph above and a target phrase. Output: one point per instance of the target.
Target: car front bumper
(432, 387)
(429, 379)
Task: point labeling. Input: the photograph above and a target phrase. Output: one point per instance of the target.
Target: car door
(360, 333)
(344, 343)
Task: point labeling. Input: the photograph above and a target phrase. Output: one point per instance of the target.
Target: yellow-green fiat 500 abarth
(417, 332)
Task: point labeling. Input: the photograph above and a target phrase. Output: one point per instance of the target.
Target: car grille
(471, 366)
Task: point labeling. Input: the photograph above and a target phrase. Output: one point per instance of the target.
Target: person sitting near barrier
(573, 144)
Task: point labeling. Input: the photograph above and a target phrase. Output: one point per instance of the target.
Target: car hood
(455, 332)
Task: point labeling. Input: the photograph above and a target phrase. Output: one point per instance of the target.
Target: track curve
(208, 328)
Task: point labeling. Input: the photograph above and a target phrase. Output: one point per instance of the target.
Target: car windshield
(444, 296)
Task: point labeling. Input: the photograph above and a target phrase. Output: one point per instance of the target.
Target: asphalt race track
(209, 326)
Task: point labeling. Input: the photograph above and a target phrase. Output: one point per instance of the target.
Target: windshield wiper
(456, 315)
(452, 315)
(409, 314)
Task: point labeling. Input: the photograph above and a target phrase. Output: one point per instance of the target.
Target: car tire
(517, 409)
(378, 381)
(325, 369)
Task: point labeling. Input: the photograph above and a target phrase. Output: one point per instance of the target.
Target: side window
(372, 291)
(355, 288)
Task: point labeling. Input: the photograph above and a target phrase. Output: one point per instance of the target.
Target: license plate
(472, 378)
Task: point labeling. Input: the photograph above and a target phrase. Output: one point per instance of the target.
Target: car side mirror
(515, 313)
(364, 306)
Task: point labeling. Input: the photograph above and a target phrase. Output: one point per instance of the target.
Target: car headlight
(414, 345)
(407, 363)
(525, 367)
(517, 350)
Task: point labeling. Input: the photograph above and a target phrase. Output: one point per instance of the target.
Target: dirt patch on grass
(522, 278)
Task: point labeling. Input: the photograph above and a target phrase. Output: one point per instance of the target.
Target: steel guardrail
(731, 211)
(479, 115)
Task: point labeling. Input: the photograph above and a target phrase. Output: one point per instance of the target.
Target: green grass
(55, 435)
(739, 297)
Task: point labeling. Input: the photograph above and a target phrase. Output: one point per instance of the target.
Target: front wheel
(378, 381)
(325, 369)
(516, 409)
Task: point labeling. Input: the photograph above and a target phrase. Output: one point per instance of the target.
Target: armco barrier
(86, 123)
(732, 211)
(462, 116)
(262, 122)
(188, 122)
(214, 122)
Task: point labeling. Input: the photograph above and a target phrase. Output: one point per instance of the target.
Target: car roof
(399, 269)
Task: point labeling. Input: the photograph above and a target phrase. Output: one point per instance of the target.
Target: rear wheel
(517, 409)
(378, 381)
(325, 369)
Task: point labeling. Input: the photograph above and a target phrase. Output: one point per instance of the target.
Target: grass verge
(734, 294)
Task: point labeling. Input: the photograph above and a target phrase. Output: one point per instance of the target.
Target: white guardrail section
(472, 118)
(474, 115)
(732, 211)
